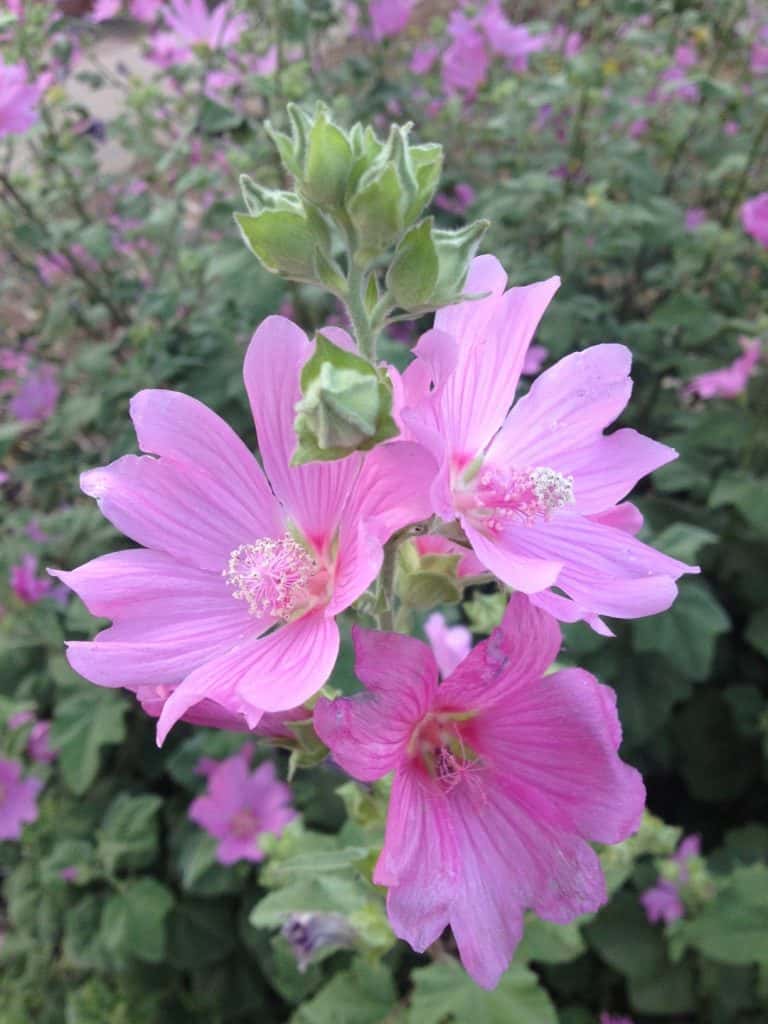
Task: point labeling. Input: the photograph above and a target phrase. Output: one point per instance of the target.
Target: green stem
(362, 326)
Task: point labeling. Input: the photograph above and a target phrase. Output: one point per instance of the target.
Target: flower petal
(315, 494)
(527, 573)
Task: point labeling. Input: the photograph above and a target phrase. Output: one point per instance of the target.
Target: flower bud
(427, 575)
(282, 240)
(346, 405)
(311, 934)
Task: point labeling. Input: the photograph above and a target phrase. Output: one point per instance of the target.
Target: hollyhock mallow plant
(18, 99)
(729, 381)
(18, 799)
(484, 822)
(535, 489)
(239, 806)
(232, 598)
(754, 218)
(662, 901)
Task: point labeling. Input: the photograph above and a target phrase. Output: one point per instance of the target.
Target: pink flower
(535, 358)
(26, 584)
(195, 25)
(225, 560)
(758, 59)
(610, 1018)
(18, 799)
(686, 56)
(103, 10)
(462, 198)
(534, 488)
(638, 128)
(69, 874)
(18, 99)
(37, 396)
(240, 806)
(465, 63)
(754, 218)
(450, 644)
(423, 58)
(514, 42)
(730, 381)
(695, 217)
(662, 901)
(484, 822)
(145, 10)
(389, 17)
(38, 744)
(731, 128)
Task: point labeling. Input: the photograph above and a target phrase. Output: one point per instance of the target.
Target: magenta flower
(662, 902)
(195, 25)
(484, 822)
(389, 17)
(450, 644)
(532, 487)
(465, 62)
(423, 58)
(240, 806)
(610, 1018)
(103, 10)
(729, 381)
(36, 398)
(38, 741)
(462, 198)
(754, 218)
(505, 39)
(18, 99)
(695, 217)
(18, 799)
(26, 584)
(758, 59)
(225, 560)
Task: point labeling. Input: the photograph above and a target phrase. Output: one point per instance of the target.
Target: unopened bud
(310, 935)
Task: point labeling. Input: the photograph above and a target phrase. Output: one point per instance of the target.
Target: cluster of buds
(353, 225)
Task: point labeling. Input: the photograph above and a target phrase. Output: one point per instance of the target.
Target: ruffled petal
(367, 734)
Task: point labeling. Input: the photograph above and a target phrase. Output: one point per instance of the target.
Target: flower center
(509, 497)
(437, 744)
(244, 825)
(272, 576)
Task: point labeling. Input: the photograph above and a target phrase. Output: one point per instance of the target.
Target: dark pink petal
(185, 431)
(418, 862)
(525, 572)
(567, 407)
(314, 495)
(163, 506)
(521, 649)
(368, 734)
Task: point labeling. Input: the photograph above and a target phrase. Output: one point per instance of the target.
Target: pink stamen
(519, 496)
(273, 576)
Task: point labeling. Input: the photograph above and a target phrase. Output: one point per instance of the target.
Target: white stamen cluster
(271, 576)
(552, 489)
(521, 495)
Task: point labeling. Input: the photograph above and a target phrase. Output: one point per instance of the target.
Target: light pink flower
(69, 874)
(36, 398)
(389, 17)
(686, 56)
(484, 822)
(18, 99)
(103, 10)
(638, 128)
(145, 10)
(731, 128)
(240, 806)
(535, 358)
(38, 745)
(754, 218)
(758, 59)
(729, 381)
(423, 58)
(225, 560)
(195, 25)
(506, 39)
(18, 799)
(531, 487)
(26, 584)
(450, 644)
(465, 62)
(695, 217)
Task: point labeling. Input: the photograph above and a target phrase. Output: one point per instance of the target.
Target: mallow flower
(754, 218)
(18, 799)
(18, 99)
(239, 806)
(503, 776)
(535, 489)
(231, 601)
(729, 381)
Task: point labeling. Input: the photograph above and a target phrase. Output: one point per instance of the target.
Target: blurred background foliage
(618, 154)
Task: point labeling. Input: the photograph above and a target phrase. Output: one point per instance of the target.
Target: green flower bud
(328, 163)
(377, 210)
(455, 250)
(346, 405)
(425, 581)
(282, 240)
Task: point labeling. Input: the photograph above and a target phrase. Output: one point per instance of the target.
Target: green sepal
(413, 274)
(282, 240)
(346, 405)
(328, 163)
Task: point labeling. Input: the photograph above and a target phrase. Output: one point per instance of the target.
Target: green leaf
(444, 992)
(364, 994)
(731, 929)
(686, 634)
(328, 163)
(756, 633)
(744, 492)
(282, 240)
(200, 932)
(133, 920)
(83, 723)
(714, 756)
(412, 276)
(128, 836)
(684, 541)
(550, 943)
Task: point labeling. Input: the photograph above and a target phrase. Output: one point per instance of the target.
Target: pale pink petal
(368, 735)
(504, 558)
(185, 431)
(476, 398)
(568, 405)
(566, 610)
(465, 320)
(626, 516)
(161, 505)
(314, 495)
(450, 644)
